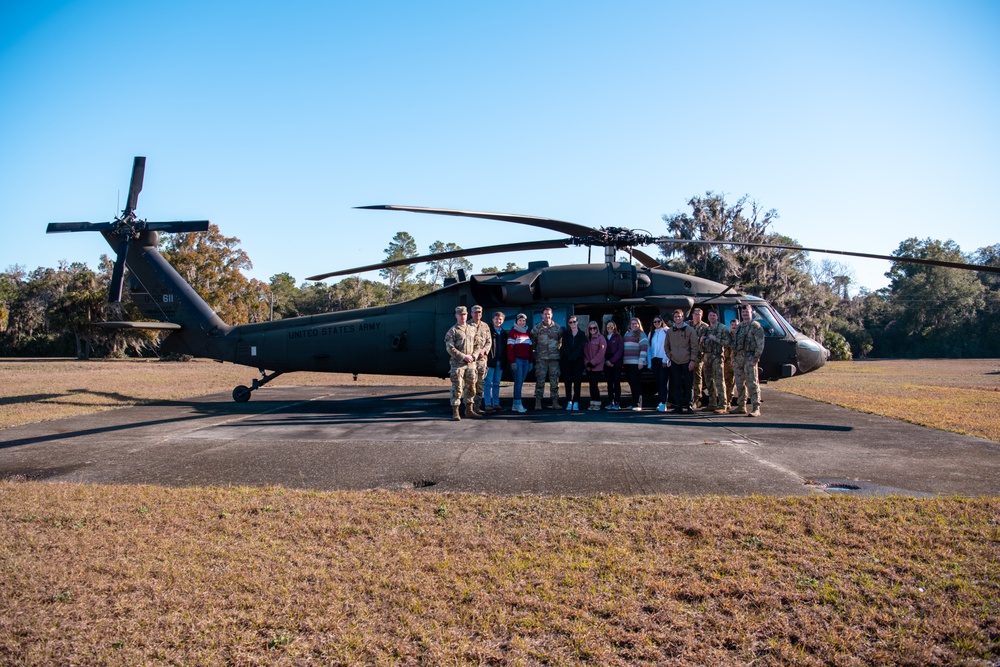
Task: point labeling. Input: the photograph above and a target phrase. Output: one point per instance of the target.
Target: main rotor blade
(56, 227)
(647, 261)
(135, 186)
(891, 258)
(569, 228)
(468, 252)
(178, 226)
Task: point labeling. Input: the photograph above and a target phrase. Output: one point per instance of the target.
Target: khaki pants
(745, 374)
(546, 369)
(481, 369)
(716, 381)
(463, 384)
(700, 380)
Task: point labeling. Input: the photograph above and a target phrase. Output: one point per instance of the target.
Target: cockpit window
(788, 327)
(768, 321)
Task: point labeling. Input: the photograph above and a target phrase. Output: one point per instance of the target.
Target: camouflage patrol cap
(477, 309)
(461, 311)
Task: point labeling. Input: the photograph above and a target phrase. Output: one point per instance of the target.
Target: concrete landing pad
(356, 437)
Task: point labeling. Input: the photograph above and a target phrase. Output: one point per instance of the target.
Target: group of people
(696, 364)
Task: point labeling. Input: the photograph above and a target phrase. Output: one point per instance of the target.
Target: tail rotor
(126, 228)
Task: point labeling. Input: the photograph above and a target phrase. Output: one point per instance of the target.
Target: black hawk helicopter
(407, 338)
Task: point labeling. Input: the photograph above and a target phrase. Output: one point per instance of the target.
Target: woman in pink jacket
(593, 362)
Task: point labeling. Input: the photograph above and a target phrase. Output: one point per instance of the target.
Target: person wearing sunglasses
(571, 356)
(658, 361)
(614, 355)
(593, 362)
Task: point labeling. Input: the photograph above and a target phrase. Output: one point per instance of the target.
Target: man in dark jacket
(682, 350)
(496, 361)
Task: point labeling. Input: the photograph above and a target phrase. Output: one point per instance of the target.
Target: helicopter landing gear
(242, 393)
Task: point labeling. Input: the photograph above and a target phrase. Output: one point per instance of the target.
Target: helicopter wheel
(241, 394)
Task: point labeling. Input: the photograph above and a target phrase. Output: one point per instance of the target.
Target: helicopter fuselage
(407, 338)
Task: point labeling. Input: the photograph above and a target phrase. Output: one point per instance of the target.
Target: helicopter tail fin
(161, 294)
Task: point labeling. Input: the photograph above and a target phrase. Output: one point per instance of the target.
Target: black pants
(595, 391)
(680, 382)
(614, 375)
(573, 379)
(662, 374)
(633, 375)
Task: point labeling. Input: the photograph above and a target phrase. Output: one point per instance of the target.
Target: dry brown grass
(959, 395)
(40, 389)
(146, 575)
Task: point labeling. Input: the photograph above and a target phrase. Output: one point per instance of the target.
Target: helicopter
(407, 338)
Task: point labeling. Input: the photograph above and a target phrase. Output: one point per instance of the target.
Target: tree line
(924, 312)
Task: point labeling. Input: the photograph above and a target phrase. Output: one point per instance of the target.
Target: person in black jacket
(571, 358)
(496, 361)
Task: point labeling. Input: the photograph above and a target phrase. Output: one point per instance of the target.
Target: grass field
(960, 395)
(125, 575)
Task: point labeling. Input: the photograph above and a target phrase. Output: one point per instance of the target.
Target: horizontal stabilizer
(169, 326)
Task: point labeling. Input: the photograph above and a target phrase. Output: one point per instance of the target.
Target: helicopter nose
(811, 355)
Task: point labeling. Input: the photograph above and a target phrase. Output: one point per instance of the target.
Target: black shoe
(688, 411)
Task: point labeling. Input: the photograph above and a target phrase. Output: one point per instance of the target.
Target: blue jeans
(491, 393)
(521, 368)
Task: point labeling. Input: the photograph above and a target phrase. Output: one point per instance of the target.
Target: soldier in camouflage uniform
(698, 384)
(713, 343)
(483, 342)
(727, 362)
(459, 342)
(546, 337)
(747, 348)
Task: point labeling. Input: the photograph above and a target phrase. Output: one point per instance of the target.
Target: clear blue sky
(862, 123)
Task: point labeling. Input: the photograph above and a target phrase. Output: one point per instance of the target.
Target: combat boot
(738, 410)
(470, 412)
(538, 404)
(755, 412)
(555, 403)
(455, 417)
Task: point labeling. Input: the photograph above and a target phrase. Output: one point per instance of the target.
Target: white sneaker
(569, 406)
(637, 408)
(576, 407)
(662, 407)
